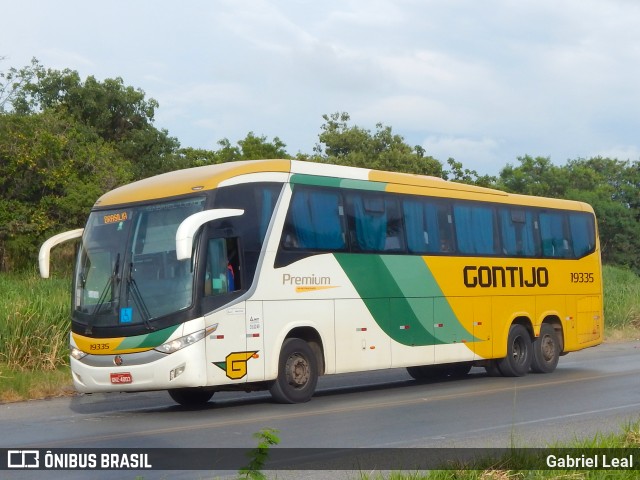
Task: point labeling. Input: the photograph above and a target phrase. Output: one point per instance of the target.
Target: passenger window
(375, 223)
(314, 221)
(474, 229)
(517, 232)
(428, 226)
(583, 235)
(555, 241)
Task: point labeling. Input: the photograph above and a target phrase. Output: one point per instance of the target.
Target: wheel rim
(298, 371)
(519, 351)
(547, 348)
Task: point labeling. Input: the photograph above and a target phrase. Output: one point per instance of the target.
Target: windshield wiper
(137, 299)
(112, 285)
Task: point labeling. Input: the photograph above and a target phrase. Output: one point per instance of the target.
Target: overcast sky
(480, 81)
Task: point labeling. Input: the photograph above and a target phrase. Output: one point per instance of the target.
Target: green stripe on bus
(404, 298)
(320, 181)
(149, 340)
(363, 185)
(317, 180)
(417, 282)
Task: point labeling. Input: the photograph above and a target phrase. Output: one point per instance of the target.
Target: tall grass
(621, 298)
(34, 321)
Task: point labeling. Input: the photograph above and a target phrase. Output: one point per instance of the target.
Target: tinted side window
(375, 223)
(323, 219)
(555, 239)
(475, 229)
(428, 226)
(519, 232)
(315, 220)
(583, 234)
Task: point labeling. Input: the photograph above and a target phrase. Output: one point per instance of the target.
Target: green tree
(458, 173)
(189, 157)
(612, 187)
(52, 170)
(117, 113)
(252, 147)
(345, 144)
(13, 81)
(616, 179)
(534, 176)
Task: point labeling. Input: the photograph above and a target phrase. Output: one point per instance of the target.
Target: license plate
(120, 378)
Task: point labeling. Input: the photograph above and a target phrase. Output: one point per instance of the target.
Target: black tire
(297, 373)
(546, 350)
(191, 397)
(519, 353)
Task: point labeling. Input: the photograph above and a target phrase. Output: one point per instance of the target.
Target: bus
(267, 274)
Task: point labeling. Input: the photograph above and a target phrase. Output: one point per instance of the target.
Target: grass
(34, 328)
(20, 385)
(34, 322)
(621, 299)
(34, 332)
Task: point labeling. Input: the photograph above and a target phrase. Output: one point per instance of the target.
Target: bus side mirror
(190, 225)
(45, 249)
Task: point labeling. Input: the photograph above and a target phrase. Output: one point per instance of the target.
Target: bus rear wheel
(546, 350)
(191, 397)
(519, 352)
(297, 373)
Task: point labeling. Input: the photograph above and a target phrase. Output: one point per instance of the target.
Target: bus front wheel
(519, 353)
(546, 350)
(297, 373)
(191, 397)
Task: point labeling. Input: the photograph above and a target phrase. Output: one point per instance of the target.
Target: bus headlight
(179, 343)
(76, 352)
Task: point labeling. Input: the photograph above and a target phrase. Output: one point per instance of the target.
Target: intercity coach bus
(267, 274)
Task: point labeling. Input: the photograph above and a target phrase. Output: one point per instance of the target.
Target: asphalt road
(596, 390)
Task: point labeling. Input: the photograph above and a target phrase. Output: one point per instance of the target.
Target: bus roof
(191, 180)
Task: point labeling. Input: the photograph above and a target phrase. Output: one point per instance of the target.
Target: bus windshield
(127, 271)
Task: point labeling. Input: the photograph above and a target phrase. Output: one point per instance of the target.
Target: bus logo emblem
(235, 365)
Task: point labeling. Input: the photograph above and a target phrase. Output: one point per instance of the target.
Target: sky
(483, 82)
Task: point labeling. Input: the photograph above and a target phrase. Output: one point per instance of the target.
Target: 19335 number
(582, 277)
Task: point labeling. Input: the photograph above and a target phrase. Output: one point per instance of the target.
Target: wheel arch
(555, 322)
(500, 347)
(313, 338)
(526, 323)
